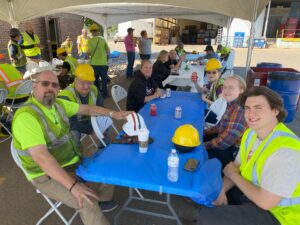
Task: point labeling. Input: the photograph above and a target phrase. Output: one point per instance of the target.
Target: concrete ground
(21, 205)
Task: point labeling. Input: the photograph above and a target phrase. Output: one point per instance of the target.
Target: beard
(49, 98)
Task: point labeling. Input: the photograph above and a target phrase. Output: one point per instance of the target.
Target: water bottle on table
(173, 164)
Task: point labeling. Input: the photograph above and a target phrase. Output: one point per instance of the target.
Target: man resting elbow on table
(222, 141)
(48, 154)
(143, 88)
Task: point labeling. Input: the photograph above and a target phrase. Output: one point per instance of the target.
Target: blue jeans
(145, 57)
(84, 56)
(35, 57)
(22, 69)
(101, 71)
(130, 59)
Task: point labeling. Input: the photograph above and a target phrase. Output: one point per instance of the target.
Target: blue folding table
(121, 164)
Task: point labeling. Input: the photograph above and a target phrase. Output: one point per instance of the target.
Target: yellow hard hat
(186, 138)
(85, 72)
(60, 51)
(213, 64)
(94, 27)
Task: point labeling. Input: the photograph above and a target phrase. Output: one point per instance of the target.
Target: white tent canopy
(15, 11)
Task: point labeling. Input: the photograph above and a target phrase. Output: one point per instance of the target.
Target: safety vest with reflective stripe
(68, 47)
(287, 212)
(83, 43)
(58, 138)
(180, 51)
(27, 40)
(212, 95)
(21, 61)
(73, 64)
(72, 95)
(12, 79)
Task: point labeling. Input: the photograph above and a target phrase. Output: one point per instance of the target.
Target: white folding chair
(229, 64)
(54, 204)
(118, 93)
(3, 95)
(23, 89)
(218, 107)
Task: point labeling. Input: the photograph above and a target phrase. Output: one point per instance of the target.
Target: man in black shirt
(143, 88)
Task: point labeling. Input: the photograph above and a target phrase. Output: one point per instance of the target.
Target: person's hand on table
(230, 170)
(82, 192)
(172, 66)
(158, 93)
(221, 200)
(204, 98)
(120, 115)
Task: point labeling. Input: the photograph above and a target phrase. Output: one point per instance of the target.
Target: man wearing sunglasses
(41, 135)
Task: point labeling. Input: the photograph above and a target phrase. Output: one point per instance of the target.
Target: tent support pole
(11, 14)
(228, 29)
(251, 38)
(105, 27)
(267, 20)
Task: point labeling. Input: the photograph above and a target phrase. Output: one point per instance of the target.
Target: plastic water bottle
(173, 164)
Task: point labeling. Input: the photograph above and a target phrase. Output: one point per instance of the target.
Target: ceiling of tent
(14, 11)
(111, 14)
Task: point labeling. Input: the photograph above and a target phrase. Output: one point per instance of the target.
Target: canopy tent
(110, 12)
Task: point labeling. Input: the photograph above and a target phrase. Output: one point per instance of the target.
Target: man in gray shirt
(144, 46)
(266, 171)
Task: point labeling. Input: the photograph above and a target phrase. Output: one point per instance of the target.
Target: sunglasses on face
(212, 72)
(46, 83)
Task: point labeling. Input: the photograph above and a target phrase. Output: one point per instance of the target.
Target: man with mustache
(47, 151)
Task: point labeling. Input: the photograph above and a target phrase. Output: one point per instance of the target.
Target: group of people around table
(260, 156)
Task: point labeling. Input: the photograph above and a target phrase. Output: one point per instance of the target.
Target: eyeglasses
(212, 72)
(46, 83)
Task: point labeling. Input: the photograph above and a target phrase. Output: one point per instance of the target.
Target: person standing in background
(82, 44)
(130, 44)
(16, 54)
(68, 45)
(144, 46)
(30, 42)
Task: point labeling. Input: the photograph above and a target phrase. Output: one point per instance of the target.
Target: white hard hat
(134, 123)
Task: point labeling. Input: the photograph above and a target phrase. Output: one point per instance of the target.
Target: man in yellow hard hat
(82, 44)
(82, 91)
(66, 76)
(30, 42)
(99, 52)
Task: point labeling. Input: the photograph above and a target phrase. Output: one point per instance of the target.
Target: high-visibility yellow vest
(68, 47)
(12, 79)
(287, 212)
(58, 138)
(27, 40)
(73, 64)
(83, 43)
(21, 61)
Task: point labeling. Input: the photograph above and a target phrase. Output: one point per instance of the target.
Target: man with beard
(48, 153)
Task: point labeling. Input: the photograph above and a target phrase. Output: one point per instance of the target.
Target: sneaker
(108, 206)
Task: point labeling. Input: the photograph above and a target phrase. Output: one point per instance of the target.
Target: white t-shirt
(281, 172)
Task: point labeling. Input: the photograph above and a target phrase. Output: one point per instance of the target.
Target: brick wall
(68, 25)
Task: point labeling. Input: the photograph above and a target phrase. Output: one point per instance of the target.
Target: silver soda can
(168, 92)
(178, 112)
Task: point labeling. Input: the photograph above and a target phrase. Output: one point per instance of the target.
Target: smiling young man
(41, 137)
(222, 141)
(266, 169)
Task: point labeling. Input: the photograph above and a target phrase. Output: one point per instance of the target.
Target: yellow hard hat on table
(213, 64)
(85, 72)
(186, 138)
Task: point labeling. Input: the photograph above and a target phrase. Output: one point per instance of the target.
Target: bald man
(48, 153)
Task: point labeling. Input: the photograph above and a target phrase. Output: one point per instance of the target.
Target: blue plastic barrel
(268, 65)
(287, 85)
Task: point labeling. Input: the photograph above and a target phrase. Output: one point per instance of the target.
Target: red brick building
(52, 31)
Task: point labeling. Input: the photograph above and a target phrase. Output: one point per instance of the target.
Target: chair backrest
(118, 93)
(31, 64)
(230, 60)
(3, 95)
(24, 88)
(218, 107)
(16, 157)
(100, 124)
